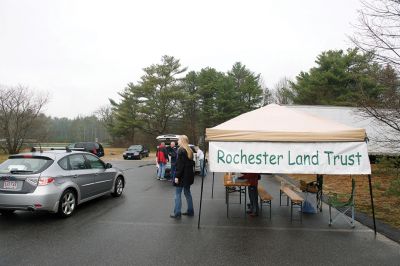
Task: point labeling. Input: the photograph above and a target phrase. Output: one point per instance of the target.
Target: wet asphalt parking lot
(136, 229)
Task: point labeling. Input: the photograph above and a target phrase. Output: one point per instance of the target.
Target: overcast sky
(83, 52)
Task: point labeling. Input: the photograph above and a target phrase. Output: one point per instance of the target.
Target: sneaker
(163, 179)
(175, 216)
(188, 214)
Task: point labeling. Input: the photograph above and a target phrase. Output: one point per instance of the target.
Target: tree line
(168, 100)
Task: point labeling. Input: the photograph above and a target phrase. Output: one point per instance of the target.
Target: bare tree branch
(378, 33)
(19, 107)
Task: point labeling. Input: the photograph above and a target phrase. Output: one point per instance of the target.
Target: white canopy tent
(276, 139)
(281, 124)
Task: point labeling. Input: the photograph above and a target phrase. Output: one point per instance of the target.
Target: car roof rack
(66, 148)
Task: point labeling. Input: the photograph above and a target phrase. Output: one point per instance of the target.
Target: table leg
(240, 194)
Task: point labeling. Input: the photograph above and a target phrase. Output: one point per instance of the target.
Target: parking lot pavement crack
(133, 168)
(149, 164)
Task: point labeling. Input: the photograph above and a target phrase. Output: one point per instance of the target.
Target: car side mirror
(108, 165)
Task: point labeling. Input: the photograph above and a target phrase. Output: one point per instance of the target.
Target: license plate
(10, 184)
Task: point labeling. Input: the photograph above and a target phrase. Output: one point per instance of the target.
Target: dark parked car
(93, 147)
(136, 152)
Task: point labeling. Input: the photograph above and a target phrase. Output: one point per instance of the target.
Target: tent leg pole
(212, 188)
(372, 202)
(320, 181)
(201, 200)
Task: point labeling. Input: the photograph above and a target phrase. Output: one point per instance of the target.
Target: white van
(167, 139)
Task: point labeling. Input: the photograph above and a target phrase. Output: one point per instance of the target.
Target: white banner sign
(295, 158)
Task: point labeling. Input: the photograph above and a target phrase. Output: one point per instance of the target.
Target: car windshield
(23, 165)
(135, 147)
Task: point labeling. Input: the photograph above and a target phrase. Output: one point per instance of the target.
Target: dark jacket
(252, 178)
(184, 169)
(173, 152)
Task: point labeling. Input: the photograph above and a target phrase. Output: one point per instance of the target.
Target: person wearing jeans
(172, 152)
(161, 171)
(184, 178)
(162, 158)
(178, 202)
(200, 155)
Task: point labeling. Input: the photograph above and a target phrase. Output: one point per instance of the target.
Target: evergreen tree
(247, 88)
(209, 81)
(127, 114)
(190, 103)
(337, 79)
(158, 93)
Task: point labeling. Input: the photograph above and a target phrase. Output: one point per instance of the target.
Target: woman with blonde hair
(184, 178)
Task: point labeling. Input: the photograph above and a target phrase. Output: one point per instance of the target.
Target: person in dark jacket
(184, 178)
(173, 154)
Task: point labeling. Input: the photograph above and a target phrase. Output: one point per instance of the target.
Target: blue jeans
(202, 173)
(178, 201)
(161, 170)
(173, 171)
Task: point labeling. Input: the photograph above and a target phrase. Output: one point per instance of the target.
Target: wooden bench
(265, 198)
(295, 199)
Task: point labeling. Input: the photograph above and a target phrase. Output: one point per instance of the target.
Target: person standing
(162, 158)
(173, 154)
(200, 155)
(252, 178)
(184, 178)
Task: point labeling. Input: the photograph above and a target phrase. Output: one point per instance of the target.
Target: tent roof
(281, 124)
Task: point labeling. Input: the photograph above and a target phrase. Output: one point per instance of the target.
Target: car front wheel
(67, 203)
(119, 187)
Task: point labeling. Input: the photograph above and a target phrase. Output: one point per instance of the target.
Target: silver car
(55, 181)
